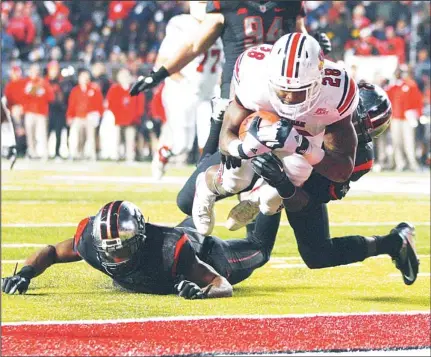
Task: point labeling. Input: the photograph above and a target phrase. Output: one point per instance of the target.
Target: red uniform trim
(79, 230)
(350, 95)
(291, 60)
(365, 166)
(332, 192)
(217, 5)
(178, 247)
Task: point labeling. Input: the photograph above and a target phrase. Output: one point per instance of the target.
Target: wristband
(234, 148)
(160, 74)
(27, 272)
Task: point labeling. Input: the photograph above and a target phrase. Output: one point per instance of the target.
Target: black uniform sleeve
(184, 256)
(322, 190)
(295, 8)
(78, 234)
(364, 160)
(222, 6)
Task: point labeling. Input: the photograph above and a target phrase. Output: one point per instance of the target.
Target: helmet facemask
(291, 102)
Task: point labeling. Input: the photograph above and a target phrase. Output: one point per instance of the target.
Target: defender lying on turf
(142, 257)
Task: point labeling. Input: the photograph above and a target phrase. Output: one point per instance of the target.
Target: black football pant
(236, 259)
(317, 249)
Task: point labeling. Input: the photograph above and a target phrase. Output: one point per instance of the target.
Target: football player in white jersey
(315, 99)
(187, 94)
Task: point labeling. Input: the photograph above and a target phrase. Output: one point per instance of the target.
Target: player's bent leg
(217, 181)
(236, 259)
(186, 195)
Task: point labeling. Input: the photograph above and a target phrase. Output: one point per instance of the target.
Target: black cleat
(407, 260)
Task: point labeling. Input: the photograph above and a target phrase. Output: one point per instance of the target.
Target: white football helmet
(295, 67)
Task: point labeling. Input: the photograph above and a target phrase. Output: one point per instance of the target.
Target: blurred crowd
(67, 66)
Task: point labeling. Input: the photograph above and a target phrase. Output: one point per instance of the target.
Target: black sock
(389, 244)
(211, 145)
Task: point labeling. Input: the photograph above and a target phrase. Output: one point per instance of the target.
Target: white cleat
(246, 210)
(203, 207)
(242, 214)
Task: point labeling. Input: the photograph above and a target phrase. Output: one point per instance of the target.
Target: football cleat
(406, 260)
(245, 211)
(203, 207)
(158, 166)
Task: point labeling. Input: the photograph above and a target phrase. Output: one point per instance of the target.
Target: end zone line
(210, 317)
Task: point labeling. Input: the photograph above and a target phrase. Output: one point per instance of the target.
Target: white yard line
(341, 202)
(171, 224)
(228, 317)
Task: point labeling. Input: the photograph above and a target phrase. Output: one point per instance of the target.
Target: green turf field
(65, 194)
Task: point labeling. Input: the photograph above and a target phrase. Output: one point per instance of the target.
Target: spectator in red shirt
(407, 103)
(37, 95)
(394, 45)
(21, 27)
(127, 111)
(84, 111)
(118, 10)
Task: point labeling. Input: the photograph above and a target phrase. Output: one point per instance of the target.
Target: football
(268, 119)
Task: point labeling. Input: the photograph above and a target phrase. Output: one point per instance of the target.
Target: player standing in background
(187, 93)
(240, 24)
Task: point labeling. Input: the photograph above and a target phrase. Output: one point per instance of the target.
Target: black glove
(151, 81)
(190, 290)
(270, 168)
(20, 281)
(324, 42)
(231, 162)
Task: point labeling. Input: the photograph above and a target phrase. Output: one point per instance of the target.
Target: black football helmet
(119, 232)
(373, 114)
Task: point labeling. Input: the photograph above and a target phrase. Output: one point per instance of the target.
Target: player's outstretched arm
(202, 281)
(340, 143)
(37, 263)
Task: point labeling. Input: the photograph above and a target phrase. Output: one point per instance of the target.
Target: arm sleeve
(295, 8)
(78, 234)
(364, 160)
(184, 256)
(350, 97)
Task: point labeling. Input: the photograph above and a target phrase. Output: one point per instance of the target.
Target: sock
(389, 244)
(211, 145)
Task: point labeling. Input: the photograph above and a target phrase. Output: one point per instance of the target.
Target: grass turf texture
(66, 194)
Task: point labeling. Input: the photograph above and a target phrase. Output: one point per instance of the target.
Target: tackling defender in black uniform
(241, 24)
(146, 258)
(306, 207)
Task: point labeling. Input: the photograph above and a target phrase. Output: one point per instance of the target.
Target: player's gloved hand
(18, 282)
(282, 135)
(190, 290)
(270, 168)
(231, 162)
(324, 42)
(146, 83)
(251, 145)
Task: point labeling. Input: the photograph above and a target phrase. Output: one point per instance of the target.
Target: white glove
(281, 135)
